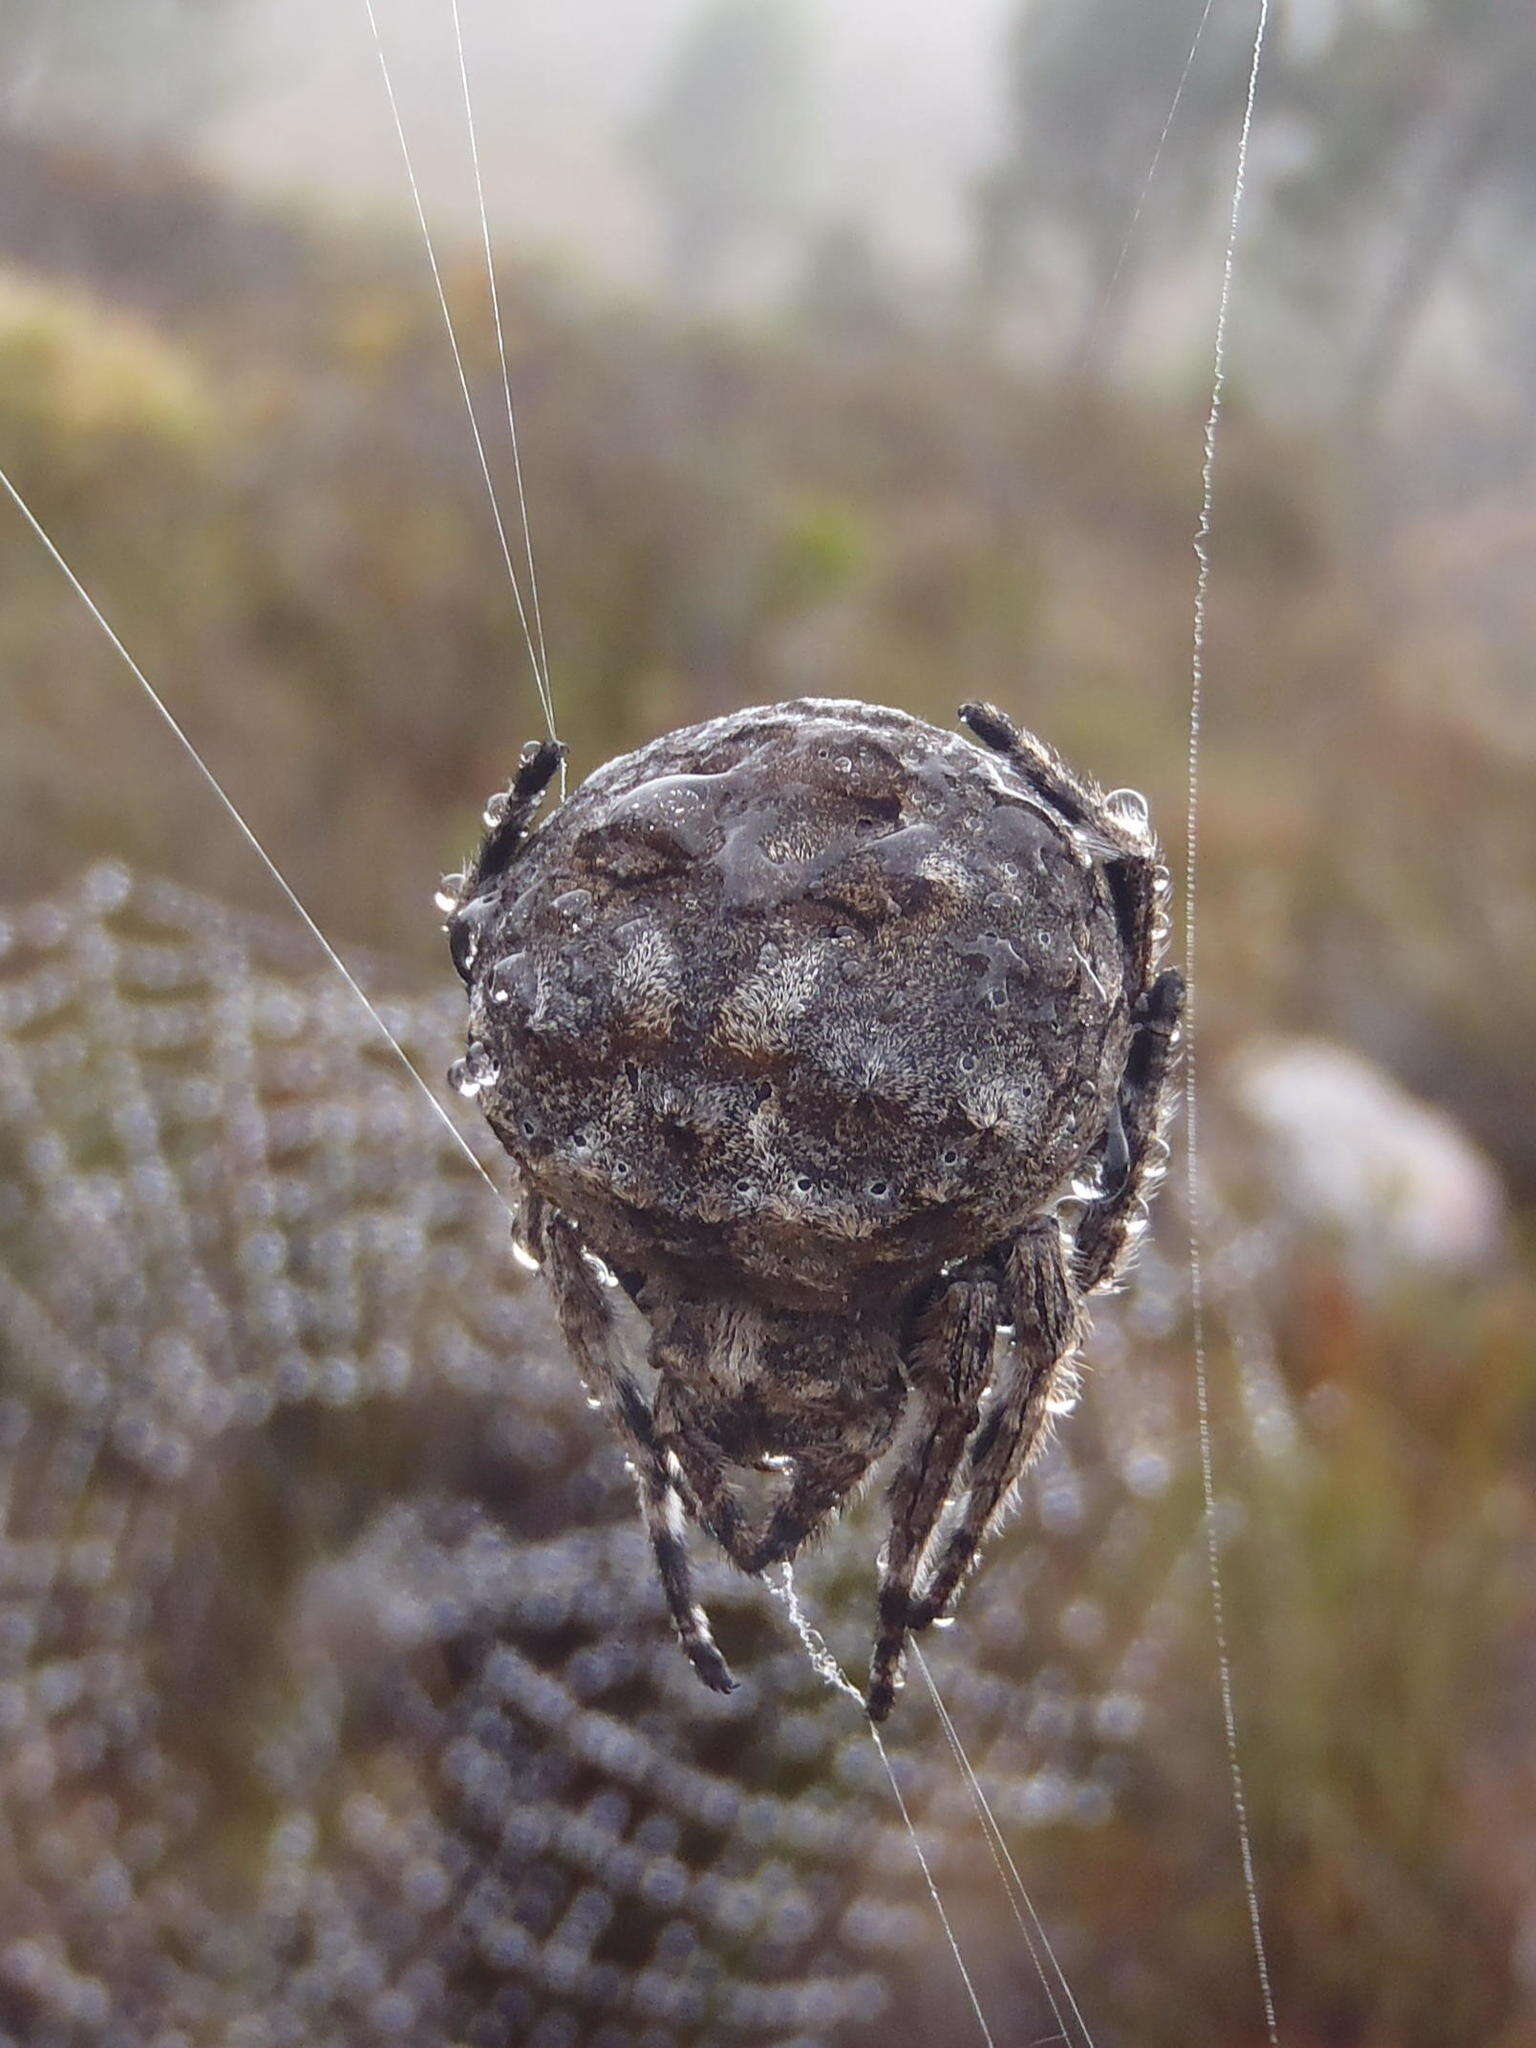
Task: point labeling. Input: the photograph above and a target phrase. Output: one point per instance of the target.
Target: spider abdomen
(804, 995)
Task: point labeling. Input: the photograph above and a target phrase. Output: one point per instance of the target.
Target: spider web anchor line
(234, 812)
(501, 349)
(1013, 1884)
(832, 1675)
(1142, 196)
(1202, 551)
(540, 676)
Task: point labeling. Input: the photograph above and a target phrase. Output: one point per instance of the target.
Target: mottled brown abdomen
(797, 997)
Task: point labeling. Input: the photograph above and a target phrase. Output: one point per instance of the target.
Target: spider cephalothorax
(840, 1041)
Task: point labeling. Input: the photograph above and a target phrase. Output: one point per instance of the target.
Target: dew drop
(473, 1074)
(1128, 807)
(601, 1271)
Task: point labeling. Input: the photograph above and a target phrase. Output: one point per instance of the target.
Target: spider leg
(536, 770)
(593, 1336)
(1043, 1300)
(472, 895)
(825, 1474)
(714, 1498)
(947, 1366)
(1069, 795)
(1109, 1230)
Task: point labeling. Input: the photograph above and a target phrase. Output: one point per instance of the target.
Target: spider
(838, 1042)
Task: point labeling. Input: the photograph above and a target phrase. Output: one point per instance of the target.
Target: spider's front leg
(594, 1339)
(1042, 1299)
(947, 1367)
(470, 898)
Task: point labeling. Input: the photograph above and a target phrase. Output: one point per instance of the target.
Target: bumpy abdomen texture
(816, 991)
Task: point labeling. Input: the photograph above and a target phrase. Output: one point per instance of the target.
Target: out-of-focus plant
(1089, 88)
(141, 70)
(726, 142)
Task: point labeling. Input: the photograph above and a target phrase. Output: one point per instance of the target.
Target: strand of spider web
(1197, 1293)
(232, 808)
(1015, 1890)
(501, 338)
(546, 703)
(1146, 185)
(832, 1675)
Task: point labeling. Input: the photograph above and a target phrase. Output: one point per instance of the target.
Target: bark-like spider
(840, 1041)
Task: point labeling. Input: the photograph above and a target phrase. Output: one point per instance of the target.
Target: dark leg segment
(1109, 1229)
(594, 1340)
(1046, 1310)
(947, 1368)
(474, 892)
(825, 1475)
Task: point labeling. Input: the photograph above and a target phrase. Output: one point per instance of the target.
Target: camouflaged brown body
(805, 1022)
(807, 1000)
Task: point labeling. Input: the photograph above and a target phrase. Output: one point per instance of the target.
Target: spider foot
(710, 1666)
(881, 1697)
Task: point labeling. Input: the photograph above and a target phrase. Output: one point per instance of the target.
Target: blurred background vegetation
(839, 370)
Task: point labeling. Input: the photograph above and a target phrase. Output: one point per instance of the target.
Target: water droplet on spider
(1128, 807)
(943, 1621)
(515, 977)
(473, 1074)
(604, 1275)
(494, 812)
(450, 894)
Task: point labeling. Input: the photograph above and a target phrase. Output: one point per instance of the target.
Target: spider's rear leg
(1043, 1301)
(1107, 1234)
(593, 1336)
(947, 1367)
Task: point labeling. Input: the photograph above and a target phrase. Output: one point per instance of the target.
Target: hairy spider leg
(823, 1477)
(947, 1367)
(1046, 1309)
(469, 898)
(592, 1333)
(1069, 795)
(1109, 1230)
(536, 770)
(708, 1431)
(715, 1504)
